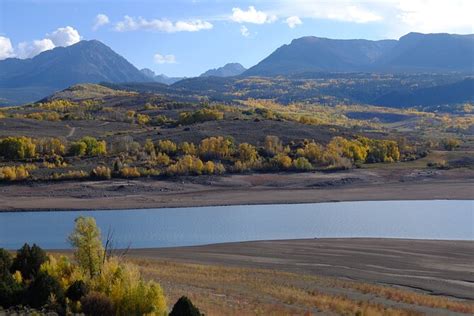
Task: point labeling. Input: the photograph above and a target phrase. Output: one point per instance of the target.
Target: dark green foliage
(28, 261)
(97, 304)
(10, 291)
(184, 307)
(76, 291)
(41, 289)
(5, 262)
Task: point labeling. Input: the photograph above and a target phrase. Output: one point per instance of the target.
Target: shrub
(130, 172)
(70, 175)
(17, 148)
(89, 146)
(302, 164)
(184, 307)
(14, 173)
(186, 148)
(167, 147)
(247, 153)
(143, 119)
(451, 143)
(312, 152)
(186, 165)
(282, 161)
(50, 146)
(76, 291)
(199, 116)
(28, 261)
(216, 148)
(101, 172)
(42, 289)
(272, 145)
(162, 159)
(129, 293)
(97, 304)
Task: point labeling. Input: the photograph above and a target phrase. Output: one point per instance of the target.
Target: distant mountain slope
(228, 70)
(160, 78)
(458, 92)
(84, 62)
(414, 52)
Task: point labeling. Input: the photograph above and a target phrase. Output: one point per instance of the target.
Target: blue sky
(185, 38)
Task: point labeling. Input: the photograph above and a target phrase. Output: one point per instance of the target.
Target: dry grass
(221, 290)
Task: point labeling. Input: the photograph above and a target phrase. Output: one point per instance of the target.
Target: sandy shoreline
(354, 185)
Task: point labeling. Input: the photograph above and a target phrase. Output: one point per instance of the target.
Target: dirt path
(71, 132)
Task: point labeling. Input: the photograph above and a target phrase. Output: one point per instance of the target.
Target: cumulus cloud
(244, 31)
(293, 21)
(100, 20)
(164, 59)
(161, 25)
(61, 37)
(64, 36)
(251, 15)
(31, 49)
(6, 48)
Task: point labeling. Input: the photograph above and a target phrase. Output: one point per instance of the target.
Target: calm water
(203, 225)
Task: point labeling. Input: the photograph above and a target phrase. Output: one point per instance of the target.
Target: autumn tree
(86, 240)
(17, 148)
(216, 148)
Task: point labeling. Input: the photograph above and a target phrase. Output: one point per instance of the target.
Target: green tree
(184, 307)
(86, 240)
(28, 260)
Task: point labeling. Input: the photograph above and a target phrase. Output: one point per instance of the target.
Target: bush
(167, 147)
(451, 143)
(28, 261)
(14, 173)
(89, 146)
(302, 164)
(76, 291)
(42, 289)
(199, 116)
(17, 148)
(184, 307)
(101, 172)
(97, 304)
(186, 165)
(130, 172)
(216, 148)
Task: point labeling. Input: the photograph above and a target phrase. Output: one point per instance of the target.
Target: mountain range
(228, 70)
(26, 80)
(413, 52)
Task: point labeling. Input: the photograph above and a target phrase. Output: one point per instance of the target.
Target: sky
(188, 37)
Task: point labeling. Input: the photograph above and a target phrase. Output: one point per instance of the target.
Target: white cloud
(6, 48)
(398, 16)
(164, 59)
(161, 25)
(431, 16)
(293, 21)
(251, 16)
(31, 49)
(64, 36)
(100, 20)
(244, 31)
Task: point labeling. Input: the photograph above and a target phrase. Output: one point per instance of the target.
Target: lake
(445, 219)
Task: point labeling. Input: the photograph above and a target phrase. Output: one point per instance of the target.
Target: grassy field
(220, 290)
